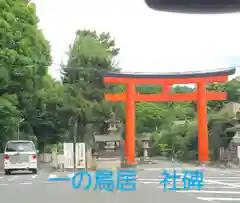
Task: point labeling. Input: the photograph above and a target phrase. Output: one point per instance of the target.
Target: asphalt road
(220, 186)
(25, 188)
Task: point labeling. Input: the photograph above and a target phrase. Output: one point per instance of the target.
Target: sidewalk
(156, 165)
(160, 164)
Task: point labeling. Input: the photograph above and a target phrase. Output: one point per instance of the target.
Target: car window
(20, 147)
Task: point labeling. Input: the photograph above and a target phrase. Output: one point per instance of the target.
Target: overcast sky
(149, 41)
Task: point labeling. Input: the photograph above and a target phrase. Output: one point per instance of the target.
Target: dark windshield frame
(20, 147)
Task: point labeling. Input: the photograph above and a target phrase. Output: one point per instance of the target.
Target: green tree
(24, 60)
(231, 87)
(24, 52)
(89, 54)
(150, 117)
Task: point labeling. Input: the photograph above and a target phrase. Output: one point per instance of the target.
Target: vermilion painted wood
(163, 81)
(201, 96)
(164, 98)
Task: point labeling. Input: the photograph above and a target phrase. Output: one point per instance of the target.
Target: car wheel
(34, 171)
(7, 172)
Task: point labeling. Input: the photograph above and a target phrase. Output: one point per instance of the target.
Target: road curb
(175, 168)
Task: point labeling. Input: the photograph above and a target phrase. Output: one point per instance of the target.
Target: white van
(20, 155)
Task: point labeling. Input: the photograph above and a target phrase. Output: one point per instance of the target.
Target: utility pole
(74, 143)
(18, 125)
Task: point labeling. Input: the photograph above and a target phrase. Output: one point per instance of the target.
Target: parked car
(20, 155)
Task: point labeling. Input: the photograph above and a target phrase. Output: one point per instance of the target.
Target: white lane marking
(149, 179)
(208, 200)
(225, 180)
(170, 181)
(52, 176)
(218, 187)
(48, 182)
(153, 169)
(52, 182)
(3, 184)
(157, 181)
(159, 169)
(13, 178)
(150, 182)
(206, 181)
(70, 175)
(212, 199)
(1, 177)
(215, 177)
(221, 183)
(208, 187)
(25, 183)
(208, 191)
(228, 172)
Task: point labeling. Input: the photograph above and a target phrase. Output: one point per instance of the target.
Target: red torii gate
(201, 96)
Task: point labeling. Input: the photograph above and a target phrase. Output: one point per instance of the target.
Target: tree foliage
(24, 61)
(89, 55)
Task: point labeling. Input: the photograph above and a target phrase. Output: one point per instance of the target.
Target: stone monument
(107, 150)
(145, 145)
(234, 145)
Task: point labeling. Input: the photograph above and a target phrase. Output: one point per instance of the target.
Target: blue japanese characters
(126, 180)
(189, 180)
(105, 180)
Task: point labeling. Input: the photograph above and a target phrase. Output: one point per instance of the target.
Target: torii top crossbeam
(174, 78)
(167, 80)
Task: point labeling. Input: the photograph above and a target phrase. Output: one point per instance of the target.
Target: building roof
(107, 138)
(192, 74)
(233, 129)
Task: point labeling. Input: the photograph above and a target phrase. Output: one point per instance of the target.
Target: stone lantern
(145, 145)
(234, 145)
(112, 125)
